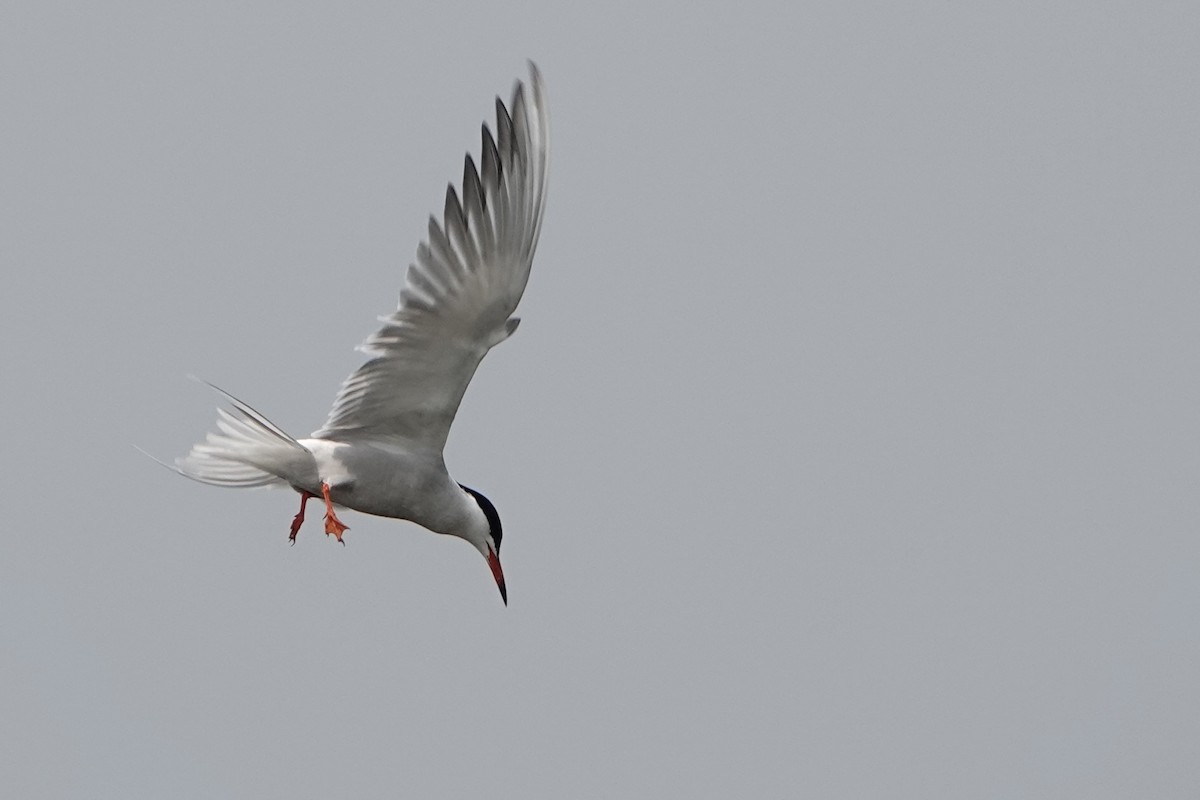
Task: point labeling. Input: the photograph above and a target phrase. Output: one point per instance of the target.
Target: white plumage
(380, 450)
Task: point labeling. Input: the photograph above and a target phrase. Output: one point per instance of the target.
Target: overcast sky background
(849, 446)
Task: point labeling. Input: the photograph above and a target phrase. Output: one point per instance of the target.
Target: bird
(380, 451)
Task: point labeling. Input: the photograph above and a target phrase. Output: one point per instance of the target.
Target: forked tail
(247, 450)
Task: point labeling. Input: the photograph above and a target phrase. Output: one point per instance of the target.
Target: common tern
(380, 450)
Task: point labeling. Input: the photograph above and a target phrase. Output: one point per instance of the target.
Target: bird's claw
(334, 526)
(332, 523)
(298, 520)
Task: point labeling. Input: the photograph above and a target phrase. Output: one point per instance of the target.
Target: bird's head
(487, 542)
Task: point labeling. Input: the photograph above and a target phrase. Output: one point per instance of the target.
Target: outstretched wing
(460, 292)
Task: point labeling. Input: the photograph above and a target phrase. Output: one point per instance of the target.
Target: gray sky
(848, 447)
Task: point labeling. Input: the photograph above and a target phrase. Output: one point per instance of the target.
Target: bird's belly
(383, 483)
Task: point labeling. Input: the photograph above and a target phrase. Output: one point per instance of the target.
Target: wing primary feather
(519, 118)
(491, 161)
(456, 231)
(504, 135)
(453, 211)
(524, 192)
(472, 188)
(475, 206)
(439, 245)
(494, 179)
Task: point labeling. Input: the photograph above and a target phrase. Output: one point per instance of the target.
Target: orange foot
(298, 520)
(332, 523)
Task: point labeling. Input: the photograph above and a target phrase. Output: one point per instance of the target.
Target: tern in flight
(380, 450)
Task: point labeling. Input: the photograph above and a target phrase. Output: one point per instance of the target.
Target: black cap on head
(489, 511)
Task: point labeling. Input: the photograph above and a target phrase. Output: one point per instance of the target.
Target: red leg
(332, 523)
(298, 520)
